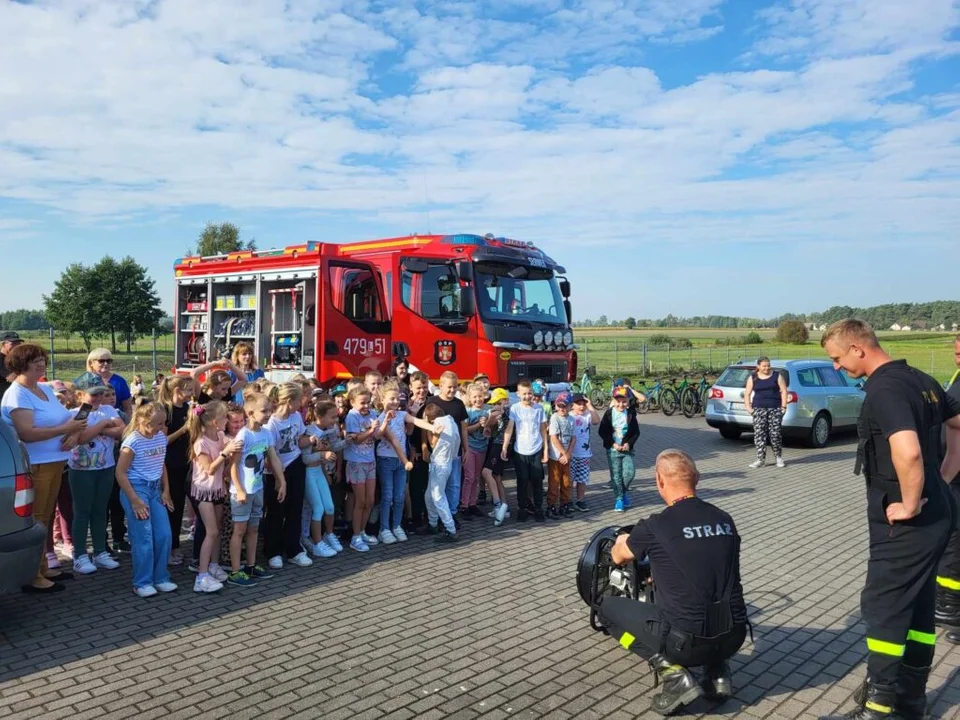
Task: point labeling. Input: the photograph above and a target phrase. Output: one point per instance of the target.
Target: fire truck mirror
(468, 302)
(465, 272)
(569, 311)
(415, 265)
(565, 287)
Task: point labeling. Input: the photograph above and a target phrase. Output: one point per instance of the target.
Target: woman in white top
(49, 432)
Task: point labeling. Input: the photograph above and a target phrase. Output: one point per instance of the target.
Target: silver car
(21, 538)
(820, 400)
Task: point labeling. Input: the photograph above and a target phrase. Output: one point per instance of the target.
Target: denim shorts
(247, 512)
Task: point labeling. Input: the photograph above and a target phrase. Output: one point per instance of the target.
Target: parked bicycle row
(686, 393)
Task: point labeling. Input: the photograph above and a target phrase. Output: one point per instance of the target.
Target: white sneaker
(780, 462)
(333, 541)
(399, 534)
(369, 540)
(387, 537)
(756, 464)
(208, 584)
(166, 587)
(500, 513)
(145, 591)
(218, 573)
(322, 550)
(358, 544)
(53, 562)
(492, 514)
(276, 563)
(103, 560)
(83, 565)
(300, 560)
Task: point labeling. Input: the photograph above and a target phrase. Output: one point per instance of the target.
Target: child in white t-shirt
(584, 417)
(529, 422)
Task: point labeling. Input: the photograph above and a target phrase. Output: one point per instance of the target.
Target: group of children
(380, 457)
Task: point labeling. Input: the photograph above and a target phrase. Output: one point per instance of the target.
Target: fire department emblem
(445, 352)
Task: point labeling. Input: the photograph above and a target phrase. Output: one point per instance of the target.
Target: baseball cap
(578, 398)
(88, 380)
(620, 393)
(563, 399)
(11, 337)
(537, 387)
(498, 395)
(97, 390)
(58, 386)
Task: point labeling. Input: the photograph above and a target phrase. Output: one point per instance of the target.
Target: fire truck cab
(468, 303)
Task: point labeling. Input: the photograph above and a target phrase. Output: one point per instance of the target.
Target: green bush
(752, 338)
(792, 332)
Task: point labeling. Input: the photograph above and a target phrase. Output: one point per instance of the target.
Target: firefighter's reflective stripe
(923, 638)
(948, 583)
(626, 640)
(885, 648)
(877, 707)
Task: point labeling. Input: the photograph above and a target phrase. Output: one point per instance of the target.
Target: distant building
(906, 328)
(896, 326)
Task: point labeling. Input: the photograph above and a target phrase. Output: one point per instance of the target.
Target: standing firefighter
(910, 515)
(948, 577)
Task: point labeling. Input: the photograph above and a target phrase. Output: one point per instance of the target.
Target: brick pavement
(492, 627)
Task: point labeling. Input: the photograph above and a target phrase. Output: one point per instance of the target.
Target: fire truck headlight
(548, 338)
(568, 338)
(538, 337)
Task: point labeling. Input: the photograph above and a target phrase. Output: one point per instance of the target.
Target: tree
(72, 306)
(220, 240)
(602, 321)
(127, 301)
(23, 319)
(793, 332)
(630, 323)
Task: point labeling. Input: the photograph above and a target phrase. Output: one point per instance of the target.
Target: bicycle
(597, 394)
(656, 396)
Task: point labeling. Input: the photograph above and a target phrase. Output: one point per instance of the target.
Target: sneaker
(358, 544)
(581, 505)
(193, 566)
(369, 539)
(493, 513)
(500, 513)
(207, 584)
(67, 550)
(103, 560)
(333, 541)
(322, 550)
(387, 537)
(121, 546)
(83, 565)
(145, 591)
(399, 534)
(780, 462)
(447, 537)
(176, 559)
(275, 563)
(626, 502)
(552, 513)
(425, 529)
(258, 572)
(53, 562)
(568, 511)
(618, 505)
(756, 464)
(241, 579)
(166, 587)
(300, 560)
(218, 573)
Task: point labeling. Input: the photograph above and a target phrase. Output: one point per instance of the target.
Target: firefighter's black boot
(953, 637)
(947, 612)
(912, 692)
(717, 684)
(874, 701)
(679, 686)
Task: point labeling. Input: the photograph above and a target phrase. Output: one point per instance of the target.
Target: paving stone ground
(492, 627)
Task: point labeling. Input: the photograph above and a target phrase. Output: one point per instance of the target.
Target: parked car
(21, 537)
(820, 400)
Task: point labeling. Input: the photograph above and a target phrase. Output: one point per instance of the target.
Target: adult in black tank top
(765, 398)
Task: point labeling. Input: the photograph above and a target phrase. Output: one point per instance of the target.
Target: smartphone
(84, 411)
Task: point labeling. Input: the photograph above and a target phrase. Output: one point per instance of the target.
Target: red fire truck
(470, 303)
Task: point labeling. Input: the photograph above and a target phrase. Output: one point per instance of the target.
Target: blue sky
(684, 156)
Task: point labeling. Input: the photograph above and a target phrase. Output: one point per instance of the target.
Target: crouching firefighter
(910, 515)
(699, 619)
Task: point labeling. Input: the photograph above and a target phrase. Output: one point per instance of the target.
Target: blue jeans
(318, 494)
(393, 491)
(150, 539)
(622, 471)
(453, 485)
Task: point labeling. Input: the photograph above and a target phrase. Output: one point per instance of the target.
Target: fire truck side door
(354, 332)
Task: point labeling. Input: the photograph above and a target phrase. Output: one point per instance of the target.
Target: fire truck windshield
(514, 293)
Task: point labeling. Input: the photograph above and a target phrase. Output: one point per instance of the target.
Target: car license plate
(737, 407)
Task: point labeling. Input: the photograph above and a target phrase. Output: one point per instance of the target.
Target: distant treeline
(919, 316)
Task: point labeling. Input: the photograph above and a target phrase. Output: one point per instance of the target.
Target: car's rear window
(736, 376)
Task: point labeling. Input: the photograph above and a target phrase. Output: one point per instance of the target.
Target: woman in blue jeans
(619, 431)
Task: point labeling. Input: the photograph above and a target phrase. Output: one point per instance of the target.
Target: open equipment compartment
(289, 305)
(192, 321)
(235, 313)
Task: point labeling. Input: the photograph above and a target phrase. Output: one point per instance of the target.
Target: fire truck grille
(549, 372)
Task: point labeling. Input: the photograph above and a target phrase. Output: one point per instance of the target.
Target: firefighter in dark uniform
(699, 619)
(910, 515)
(948, 576)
